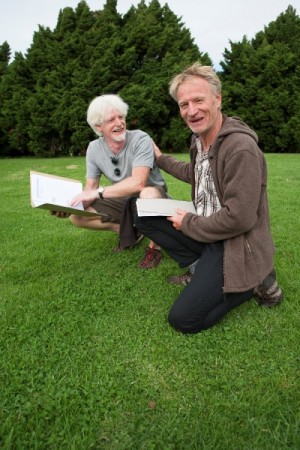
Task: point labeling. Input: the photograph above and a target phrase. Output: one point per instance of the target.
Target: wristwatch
(101, 191)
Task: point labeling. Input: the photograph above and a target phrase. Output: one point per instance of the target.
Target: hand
(60, 214)
(177, 220)
(86, 197)
(157, 152)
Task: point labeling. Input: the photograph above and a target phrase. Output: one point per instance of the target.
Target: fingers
(157, 152)
(173, 220)
(77, 199)
(176, 221)
(60, 214)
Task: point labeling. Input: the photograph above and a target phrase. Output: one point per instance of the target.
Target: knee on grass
(78, 221)
(151, 192)
(185, 323)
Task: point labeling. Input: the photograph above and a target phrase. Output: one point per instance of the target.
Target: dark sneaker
(268, 293)
(180, 279)
(152, 258)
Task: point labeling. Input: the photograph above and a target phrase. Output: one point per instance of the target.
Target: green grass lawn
(88, 360)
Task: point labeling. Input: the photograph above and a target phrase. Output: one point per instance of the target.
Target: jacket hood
(236, 125)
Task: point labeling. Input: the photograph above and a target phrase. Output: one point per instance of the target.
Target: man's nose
(119, 121)
(192, 109)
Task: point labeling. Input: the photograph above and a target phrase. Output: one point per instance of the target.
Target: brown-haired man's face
(199, 105)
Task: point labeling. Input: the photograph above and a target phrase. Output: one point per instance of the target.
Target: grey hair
(101, 107)
(195, 71)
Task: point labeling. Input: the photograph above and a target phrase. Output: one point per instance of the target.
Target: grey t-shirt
(137, 152)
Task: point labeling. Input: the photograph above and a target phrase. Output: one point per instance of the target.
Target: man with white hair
(126, 159)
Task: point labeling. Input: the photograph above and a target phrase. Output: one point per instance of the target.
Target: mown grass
(88, 361)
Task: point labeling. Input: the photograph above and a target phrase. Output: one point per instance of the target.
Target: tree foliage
(44, 95)
(261, 83)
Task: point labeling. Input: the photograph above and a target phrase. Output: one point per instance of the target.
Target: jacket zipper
(248, 245)
(223, 288)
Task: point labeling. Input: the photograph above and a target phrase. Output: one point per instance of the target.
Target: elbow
(243, 225)
(140, 185)
(238, 219)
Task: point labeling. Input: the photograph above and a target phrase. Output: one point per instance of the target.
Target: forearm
(242, 193)
(125, 188)
(217, 227)
(129, 186)
(179, 169)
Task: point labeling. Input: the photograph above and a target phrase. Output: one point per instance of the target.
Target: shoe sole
(270, 303)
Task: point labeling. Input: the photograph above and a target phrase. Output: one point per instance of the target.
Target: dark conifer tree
(261, 83)
(157, 45)
(44, 95)
(16, 85)
(5, 54)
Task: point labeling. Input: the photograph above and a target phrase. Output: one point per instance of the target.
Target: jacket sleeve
(242, 187)
(179, 169)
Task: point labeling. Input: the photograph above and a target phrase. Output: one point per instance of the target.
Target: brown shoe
(180, 279)
(268, 293)
(152, 258)
(118, 247)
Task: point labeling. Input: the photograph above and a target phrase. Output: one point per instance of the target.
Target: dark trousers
(202, 303)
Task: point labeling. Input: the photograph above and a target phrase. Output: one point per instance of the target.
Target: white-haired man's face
(114, 127)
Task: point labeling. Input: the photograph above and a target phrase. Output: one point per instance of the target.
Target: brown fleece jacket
(240, 175)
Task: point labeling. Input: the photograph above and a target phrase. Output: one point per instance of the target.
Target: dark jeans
(202, 303)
